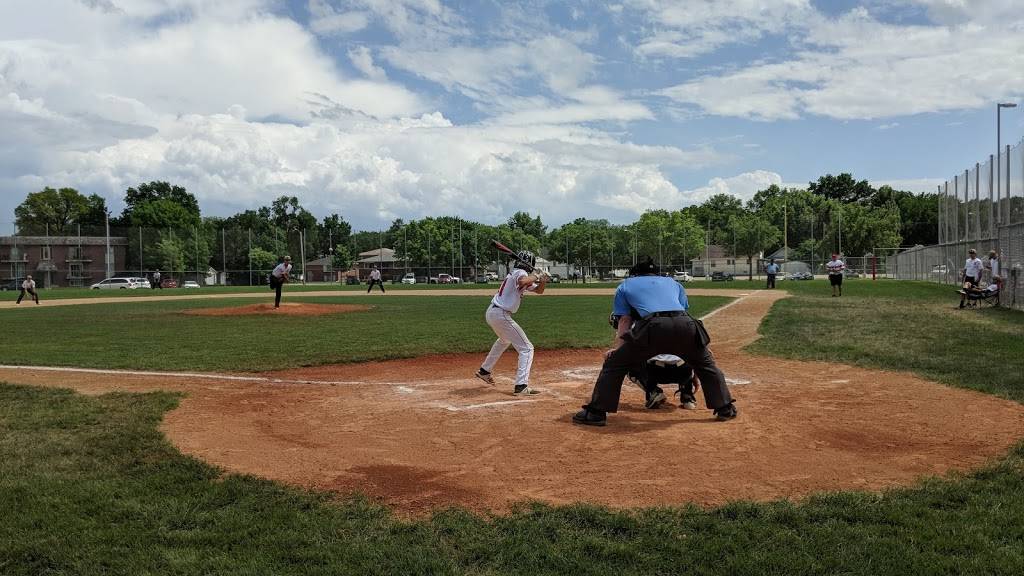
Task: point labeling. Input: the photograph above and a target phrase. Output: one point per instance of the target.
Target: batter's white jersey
(510, 295)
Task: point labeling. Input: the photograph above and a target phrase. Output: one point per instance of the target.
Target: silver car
(120, 283)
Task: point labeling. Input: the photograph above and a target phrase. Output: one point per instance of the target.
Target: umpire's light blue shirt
(649, 294)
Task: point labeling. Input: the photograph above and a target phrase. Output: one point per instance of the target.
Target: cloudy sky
(379, 109)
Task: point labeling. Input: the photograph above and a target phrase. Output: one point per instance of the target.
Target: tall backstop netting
(980, 208)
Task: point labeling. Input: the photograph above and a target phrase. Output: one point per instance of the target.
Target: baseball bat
(508, 252)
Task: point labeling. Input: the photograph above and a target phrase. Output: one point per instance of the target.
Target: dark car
(800, 276)
(555, 279)
(12, 284)
(721, 277)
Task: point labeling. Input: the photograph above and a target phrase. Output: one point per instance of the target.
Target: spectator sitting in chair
(972, 271)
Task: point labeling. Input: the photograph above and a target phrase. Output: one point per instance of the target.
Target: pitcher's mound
(286, 309)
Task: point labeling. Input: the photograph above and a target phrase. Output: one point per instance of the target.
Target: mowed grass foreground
(158, 336)
(93, 488)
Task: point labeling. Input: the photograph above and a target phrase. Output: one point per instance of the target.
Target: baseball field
(183, 433)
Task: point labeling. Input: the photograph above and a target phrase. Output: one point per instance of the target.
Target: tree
(171, 253)
(754, 236)
(342, 258)
(167, 195)
(59, 211)
(842, 188)
(262, 259)
(528, 225)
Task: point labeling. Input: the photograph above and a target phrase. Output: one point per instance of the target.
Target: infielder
(499, 317)
(29, 286)
(375, 279)
(663, 327)
(278, 277)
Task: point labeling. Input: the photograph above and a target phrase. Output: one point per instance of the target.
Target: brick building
(60, 260)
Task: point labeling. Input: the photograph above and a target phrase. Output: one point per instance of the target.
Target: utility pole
(785, 235)
(302, 249)
(224, 256)
(250, 256)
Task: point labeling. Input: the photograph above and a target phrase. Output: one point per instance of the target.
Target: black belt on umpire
(669, 314)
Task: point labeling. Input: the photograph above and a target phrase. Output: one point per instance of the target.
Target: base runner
(499, 317)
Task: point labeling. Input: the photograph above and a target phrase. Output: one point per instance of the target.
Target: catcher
(661, 370)
(280, 275)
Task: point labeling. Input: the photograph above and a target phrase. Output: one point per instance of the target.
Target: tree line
(174, 235)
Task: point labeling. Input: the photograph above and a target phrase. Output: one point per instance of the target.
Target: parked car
(481, 279)
(168, 283)
(721, 277)
(850, 273)
(409, 278)
(491, 276)
(121, 283)
(190, 284)
(12, 284)
(351, 280)
(555, 279)
(445, 279)
(800, 276)
(682, 276)
(142, 282)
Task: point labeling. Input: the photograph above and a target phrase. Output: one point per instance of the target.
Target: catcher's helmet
(527, 257)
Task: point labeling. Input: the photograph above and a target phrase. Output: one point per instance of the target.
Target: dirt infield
(421, 434)
(286, 309)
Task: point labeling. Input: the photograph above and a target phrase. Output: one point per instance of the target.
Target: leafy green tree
(170, 253)
(754, 236)
(262, 259)
(843, 188)
(59, 211)
(527, 224)
(342, 259)
(175, 206)
(333, 229)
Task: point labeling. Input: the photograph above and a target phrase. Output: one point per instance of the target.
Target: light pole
(999, 109)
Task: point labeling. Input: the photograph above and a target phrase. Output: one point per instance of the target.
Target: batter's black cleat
(485, 376)
(524, 390)
(589, 417)
(654, 400)
(727, 412)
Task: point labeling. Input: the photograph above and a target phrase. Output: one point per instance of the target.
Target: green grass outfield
(157, 336)
(89, 485)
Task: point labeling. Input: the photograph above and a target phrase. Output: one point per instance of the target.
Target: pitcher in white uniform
(499, 317)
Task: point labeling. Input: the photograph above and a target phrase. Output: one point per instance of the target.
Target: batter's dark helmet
(527, 257)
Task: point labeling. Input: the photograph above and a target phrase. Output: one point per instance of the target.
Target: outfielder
(499, 317)
(278, 277)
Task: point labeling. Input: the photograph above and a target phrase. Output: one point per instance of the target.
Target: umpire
(663, 327)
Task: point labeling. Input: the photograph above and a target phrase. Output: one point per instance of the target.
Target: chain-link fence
(983, 209)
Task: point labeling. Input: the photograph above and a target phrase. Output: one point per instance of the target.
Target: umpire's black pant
(679, 335)
(771, 281)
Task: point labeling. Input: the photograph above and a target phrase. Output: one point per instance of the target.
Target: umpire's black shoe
(590, 417)
(727, 412)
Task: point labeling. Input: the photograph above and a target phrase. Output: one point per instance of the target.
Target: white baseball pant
(509, 334)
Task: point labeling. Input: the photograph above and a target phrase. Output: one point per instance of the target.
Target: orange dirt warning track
(421, 434)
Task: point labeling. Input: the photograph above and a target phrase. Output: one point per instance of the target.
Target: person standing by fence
(772, 269)
(835, 268)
